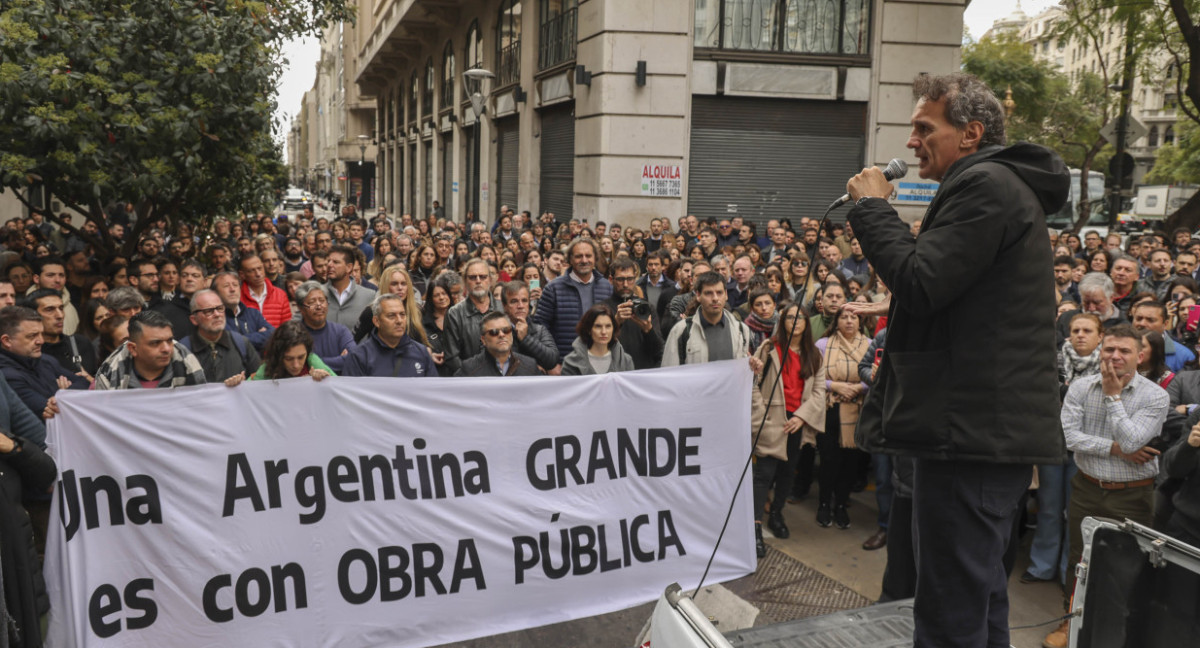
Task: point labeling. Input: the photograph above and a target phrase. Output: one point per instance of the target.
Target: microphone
(895, 170)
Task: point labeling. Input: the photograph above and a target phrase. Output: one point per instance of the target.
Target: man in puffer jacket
(565, 299)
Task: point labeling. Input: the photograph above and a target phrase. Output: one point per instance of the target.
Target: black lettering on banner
(370, 478)
(582, 548)
(252, 602)
(390, 565)
(238, 466)
(106, 601)
(688, 449)
(655, 452)
(81, 499)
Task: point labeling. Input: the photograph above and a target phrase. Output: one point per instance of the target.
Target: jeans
(1049, 551)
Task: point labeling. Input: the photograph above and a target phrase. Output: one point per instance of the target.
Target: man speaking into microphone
(967, 385)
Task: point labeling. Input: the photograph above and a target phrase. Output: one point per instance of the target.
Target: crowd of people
(320, 296)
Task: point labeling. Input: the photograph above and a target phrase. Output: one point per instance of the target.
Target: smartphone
(878, 355)
(534, 284)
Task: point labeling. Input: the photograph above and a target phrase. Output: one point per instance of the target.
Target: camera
(641, 308)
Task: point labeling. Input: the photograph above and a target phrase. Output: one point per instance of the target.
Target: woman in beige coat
(792, 383)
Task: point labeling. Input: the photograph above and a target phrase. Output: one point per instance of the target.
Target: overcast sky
(300, 70)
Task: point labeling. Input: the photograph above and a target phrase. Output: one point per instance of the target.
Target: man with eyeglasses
(143, 275)
(464, 318)
(226, 356)
(496, 357)
(388, 351)
(638, 334)
(332, 342)
(726, 235)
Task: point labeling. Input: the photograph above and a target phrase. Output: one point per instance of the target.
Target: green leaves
(165, 103)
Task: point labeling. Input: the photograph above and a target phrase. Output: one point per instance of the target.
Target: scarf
(760, 329)
(1075, 366)
(841, 365)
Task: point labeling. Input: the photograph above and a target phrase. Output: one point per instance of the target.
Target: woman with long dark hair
(789, 408)
(1154, 366)
(843, 345)
(289, 354)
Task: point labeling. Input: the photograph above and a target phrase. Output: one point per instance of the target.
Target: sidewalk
(838, 554)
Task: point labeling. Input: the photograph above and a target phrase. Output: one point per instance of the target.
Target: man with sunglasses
(497, 357)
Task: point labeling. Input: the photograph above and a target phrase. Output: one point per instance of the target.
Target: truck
(1160, 201)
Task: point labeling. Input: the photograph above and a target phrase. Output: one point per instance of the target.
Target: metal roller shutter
(508, 158)
(447, 199)
(557, 192)
(772, 158)
(471, 172)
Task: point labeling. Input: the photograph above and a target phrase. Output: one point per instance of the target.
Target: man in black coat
(497, 357)
(967, 385)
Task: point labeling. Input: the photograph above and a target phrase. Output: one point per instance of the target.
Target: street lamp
(478, 75)
(362, 148)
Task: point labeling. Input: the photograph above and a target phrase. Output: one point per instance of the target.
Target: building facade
(1153, 100)
(616, 110)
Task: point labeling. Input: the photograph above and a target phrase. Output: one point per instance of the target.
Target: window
(430, 82)
(414, 89)
(448, 76)
(838, 27)
(1152, 139)
(1169, 136)
(508, 43)
(558, 38)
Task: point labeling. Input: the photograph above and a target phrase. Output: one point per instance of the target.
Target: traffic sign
(1134, 130)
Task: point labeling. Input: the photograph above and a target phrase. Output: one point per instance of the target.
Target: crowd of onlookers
(321, 296)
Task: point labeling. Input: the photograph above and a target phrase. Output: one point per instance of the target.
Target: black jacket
(178, 311)
(24, 471)
(646, 349)
(483, 365)
(969, 371)
(35, 380)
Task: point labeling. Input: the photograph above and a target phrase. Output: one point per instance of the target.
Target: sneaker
(841, 517)
(824, 515)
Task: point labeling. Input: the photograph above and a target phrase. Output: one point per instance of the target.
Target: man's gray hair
(305, 289)
(1121, 256)
(967, 99)
(124, 297)
(377, 305)
(200, 293)
(448, 279)
(1094, 282)
(513, 288)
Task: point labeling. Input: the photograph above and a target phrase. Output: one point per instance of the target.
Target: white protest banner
(390, 512)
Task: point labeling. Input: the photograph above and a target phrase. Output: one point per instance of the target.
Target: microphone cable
(808, 275)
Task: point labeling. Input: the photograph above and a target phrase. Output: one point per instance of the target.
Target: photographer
(639, 334)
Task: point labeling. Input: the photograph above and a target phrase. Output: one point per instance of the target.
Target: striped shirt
(1091, 425)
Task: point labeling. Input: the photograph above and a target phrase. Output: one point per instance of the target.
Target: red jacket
(276, 309)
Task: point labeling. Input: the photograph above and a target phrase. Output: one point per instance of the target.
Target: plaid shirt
(1091, 425)
(117, 372)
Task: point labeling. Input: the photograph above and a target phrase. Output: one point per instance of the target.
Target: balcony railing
(558, 40)
(509, 65)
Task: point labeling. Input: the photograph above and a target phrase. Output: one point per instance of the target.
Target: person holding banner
(289, 354)
(150, 359)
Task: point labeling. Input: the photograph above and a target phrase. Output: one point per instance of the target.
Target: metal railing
(509, 65)
(558, 40)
